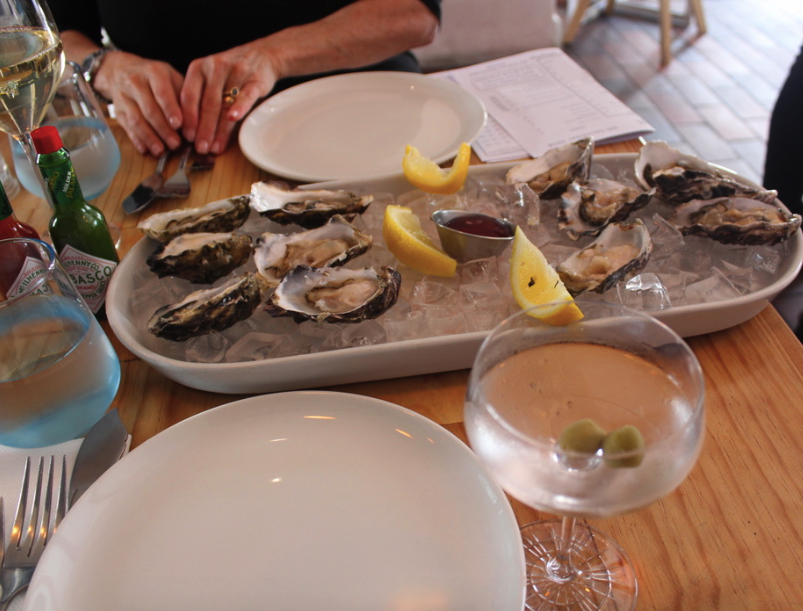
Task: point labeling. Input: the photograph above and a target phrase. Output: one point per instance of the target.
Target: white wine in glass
(592, 419)
(31, 63)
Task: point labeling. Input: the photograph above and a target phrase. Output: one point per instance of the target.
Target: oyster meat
(214, 217)
(550, 174)
(200, 257)
(335, 294)
(332, 244)
(208, 310)
(587, 208)
(620, 252)
(306, 208)
(735, 220)
(680, 178)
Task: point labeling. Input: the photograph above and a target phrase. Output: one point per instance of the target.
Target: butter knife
(103, 446)
(145, 193)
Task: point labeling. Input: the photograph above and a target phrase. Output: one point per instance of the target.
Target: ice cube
(411, 326)
(365, 333)
(646, 292)
(429, 291)
(444, 321)
(255, 347)
(483, 296)
(715, 287)
(479, 270)
(210, 348)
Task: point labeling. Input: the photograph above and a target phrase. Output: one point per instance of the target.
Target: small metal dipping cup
(472, 235)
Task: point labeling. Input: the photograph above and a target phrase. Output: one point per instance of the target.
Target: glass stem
(26, 142)
(560, 567)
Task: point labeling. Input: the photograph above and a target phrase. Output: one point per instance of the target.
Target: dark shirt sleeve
(81, 15)
(434, 6)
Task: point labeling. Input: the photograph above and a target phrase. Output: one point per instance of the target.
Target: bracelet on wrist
(90, 67)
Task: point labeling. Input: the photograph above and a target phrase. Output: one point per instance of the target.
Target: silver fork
(30, 534)
(178, 185)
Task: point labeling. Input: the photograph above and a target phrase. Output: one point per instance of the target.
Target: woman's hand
(210, 115)
(145, 94)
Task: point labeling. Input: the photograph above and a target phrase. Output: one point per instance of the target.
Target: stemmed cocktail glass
(31, 63)
(592, 419)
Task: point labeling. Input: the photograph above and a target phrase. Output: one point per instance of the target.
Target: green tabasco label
(88, 273)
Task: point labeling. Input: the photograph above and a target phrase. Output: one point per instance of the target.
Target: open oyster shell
(208, 310)
(332, 244)
(680, 177)
(306, 208)
(550, 174)
(200, 257)
(335, 294)
(214, 217)
(587, 208)
(735, 220)
(620, 252)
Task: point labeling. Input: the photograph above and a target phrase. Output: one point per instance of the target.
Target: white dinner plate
(357, 125)
(303, 500)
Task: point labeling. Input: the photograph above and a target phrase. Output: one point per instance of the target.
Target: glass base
(603, 577)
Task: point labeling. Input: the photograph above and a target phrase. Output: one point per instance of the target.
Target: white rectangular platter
(400, 358)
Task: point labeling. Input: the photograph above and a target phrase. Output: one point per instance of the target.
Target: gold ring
(228, 96)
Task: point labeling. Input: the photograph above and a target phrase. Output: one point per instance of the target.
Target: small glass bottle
(10, 227)
(79, 230)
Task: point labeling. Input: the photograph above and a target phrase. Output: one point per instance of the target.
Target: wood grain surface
(730, 538)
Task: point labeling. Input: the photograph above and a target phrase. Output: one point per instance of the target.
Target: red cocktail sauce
(479, 224)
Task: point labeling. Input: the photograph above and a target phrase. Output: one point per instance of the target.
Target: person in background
(176, 69)
(783, 171)
(783, 166)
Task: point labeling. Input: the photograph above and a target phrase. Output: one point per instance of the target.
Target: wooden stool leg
(696, 7)
(574, 22)
(666, 33)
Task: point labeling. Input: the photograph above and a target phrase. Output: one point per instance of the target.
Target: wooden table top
(729, 538)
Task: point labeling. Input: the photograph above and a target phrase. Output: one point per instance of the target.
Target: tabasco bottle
(79, 230)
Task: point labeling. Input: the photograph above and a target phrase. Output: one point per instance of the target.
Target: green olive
(582, 436)
(623, 440)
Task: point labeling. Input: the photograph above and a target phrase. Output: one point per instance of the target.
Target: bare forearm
(352, 37)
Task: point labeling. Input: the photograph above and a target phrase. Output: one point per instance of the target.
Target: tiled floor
(716, 96)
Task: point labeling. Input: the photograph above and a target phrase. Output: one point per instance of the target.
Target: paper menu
(541, 99)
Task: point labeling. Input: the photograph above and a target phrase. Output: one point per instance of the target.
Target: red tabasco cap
(46, 139)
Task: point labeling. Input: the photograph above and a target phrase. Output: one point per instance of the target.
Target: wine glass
(31, 63)
(592, 419)
(76, 113)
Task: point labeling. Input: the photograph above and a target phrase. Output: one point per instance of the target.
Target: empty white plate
(357, 125)
(303, 500)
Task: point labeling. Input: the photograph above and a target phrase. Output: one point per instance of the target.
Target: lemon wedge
(535, 282)
(425, 174)
(408, 242)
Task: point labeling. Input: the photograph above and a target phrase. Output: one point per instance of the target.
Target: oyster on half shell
(587, 208)
(214, 217)
(679, 177)
(208, 310)
(620, 252)
(307, 208)
(200, 257)
(332, 244)
(550, 174)
(335, 294)
(735, 220)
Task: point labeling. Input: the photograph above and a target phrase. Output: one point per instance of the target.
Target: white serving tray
(396, 359)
